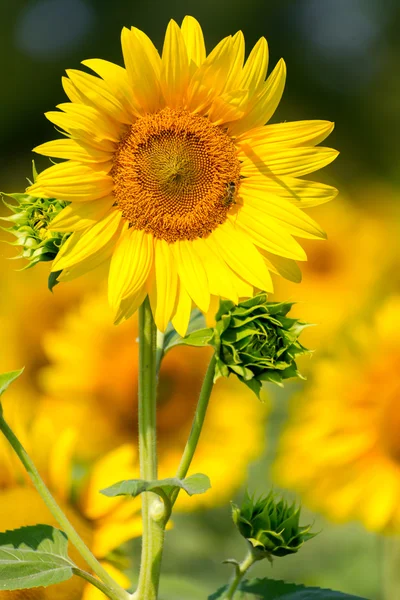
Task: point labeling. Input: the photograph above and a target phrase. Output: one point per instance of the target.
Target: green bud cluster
(29, 224)
(256, 341)
(271, 527)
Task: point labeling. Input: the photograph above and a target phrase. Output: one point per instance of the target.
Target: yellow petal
(96, 122)
(82, 245)
(73, 181)
(114, 466)
(241, 255)
(209, 80)
(60, 463)
(265, 104)
(164, 290)
(301, 192)
(268, 234)
(192, 273)
(87, 124)
(235, 71)
(219, 275)
(291, 218)
(71, 91)
(70, 149)
(118, 82)
(80, 216)
(90, 592)
(129, 305)
(110, 536)
(143, 65)
(130, 265)
(292, 161)
(255, 70)
(230, 106)
(91, 262)
(194, 40)
(175, 66)
(285, 267)
(97, 92)
(289, 134)
(181, 318)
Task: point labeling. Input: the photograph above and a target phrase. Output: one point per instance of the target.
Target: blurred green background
(342, 58)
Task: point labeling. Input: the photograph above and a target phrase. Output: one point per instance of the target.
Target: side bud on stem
(270, 526)
(29, 224)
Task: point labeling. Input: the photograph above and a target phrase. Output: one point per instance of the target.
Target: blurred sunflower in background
(103, 391)
(104, 526)
(341, 447)
(332, 285)
(172, 173)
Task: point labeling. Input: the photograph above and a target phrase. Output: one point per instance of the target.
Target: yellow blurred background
(334, 441)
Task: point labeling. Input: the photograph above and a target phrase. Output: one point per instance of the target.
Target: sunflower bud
(271, 527)
(29, 224)
(256, 341)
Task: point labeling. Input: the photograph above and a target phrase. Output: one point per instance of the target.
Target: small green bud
(271, 527)
(29, 224)
(256, 341)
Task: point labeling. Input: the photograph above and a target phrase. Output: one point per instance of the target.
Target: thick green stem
(118, 593)
(153, 512)
(241, 571)
(197, 426)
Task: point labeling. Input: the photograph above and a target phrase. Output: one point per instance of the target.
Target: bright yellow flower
(341, 449)
(173, 174)
(103, 392)
(332, 284)
(102, 525)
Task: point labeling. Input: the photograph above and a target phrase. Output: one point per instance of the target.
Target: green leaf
(195, 484)
(53, 280)
(271, 589)
(202, 337)
(32, 557)
(172, 337)
(7, 378)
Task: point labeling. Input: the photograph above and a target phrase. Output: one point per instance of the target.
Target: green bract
(29, 223)
(270, 526)
(257, 341)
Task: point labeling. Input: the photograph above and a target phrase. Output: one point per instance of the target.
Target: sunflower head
(270, 526)
(257, 341)
(30, 225)
(173, 173)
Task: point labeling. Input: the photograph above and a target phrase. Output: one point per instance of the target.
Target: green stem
(118, 592)
(153, 512)
(197, 426)
(241, 571)
(96, 582)
(159, 350)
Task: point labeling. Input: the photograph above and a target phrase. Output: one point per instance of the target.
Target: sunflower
(172, 174)
(103, 391)
(102, 525)
(341, 448)
(332, 284)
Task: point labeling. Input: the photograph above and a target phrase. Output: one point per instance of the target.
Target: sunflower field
(200, 307)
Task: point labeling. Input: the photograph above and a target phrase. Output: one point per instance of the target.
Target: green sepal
(7, 378)
(53, 280)
(32, 557)
(194, 484)
(273, 589)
